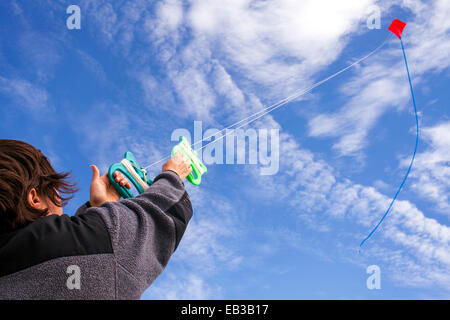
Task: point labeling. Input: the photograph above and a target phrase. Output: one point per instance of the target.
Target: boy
(109, 249)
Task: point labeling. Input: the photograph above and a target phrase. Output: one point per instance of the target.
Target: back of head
(22, 168)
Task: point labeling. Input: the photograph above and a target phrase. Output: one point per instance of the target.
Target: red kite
(397, 27)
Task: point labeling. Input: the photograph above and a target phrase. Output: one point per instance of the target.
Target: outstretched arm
(145, 230)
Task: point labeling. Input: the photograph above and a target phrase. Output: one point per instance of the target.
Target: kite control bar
(137, 175)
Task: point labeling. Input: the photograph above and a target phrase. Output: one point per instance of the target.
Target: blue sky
(138, 70)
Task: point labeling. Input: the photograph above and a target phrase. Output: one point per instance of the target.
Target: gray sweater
(114, 251)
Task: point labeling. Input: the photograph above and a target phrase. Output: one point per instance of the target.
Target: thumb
(95, 173)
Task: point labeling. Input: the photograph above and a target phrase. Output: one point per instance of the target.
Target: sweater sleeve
(147, 229)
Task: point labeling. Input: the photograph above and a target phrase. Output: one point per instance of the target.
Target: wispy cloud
(116, 130)
(256, 42)
(323, 201)
(259, 40)
(189, 286)
(380, 84)
(93, 66)
(40, 53)
(369, 95)
(24, 94)
(431, 174)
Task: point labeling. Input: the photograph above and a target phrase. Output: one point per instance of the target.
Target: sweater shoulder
(53, 237)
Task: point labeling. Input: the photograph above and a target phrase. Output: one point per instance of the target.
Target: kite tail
(413, 156)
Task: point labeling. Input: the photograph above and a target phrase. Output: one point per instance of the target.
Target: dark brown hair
(22, 168)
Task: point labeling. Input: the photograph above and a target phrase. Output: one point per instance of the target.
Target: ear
(35, 201)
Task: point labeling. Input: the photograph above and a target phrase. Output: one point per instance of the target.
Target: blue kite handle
(122, 190)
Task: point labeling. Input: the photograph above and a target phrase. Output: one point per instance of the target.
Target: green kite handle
(198, 168)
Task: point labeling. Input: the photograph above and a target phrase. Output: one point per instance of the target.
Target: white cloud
(315, 193)
(369, 95)
(93, 66)
(381, 85)
(105, 18)
(252, 39)
(225, 86)
(280, 44)
(41, 52)
(431, 173)
(197, 96)
(170, 15)
(25, 94)
(182, 287)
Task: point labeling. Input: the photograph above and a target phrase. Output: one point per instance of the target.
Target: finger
(182, 157)
(179, 156)
(95, 173)
(118, 176)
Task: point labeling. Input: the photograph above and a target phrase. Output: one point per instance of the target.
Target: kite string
(413, 156)
(302, 93)
(255, 116)
(299, 93)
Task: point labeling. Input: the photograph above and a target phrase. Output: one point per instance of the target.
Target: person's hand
(102, 189)
(180, 164)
